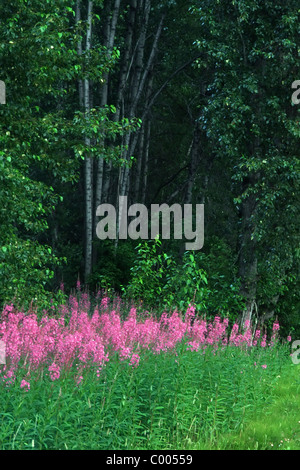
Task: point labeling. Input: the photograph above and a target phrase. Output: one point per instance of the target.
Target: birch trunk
(110, 33)
(136, 95)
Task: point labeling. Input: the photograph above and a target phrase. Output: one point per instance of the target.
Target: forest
(189, 108)
(164, 102)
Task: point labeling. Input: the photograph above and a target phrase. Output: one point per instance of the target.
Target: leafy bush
(113, 267)
(25, 269)
(148, 274)
(204, 280)
(187, 284)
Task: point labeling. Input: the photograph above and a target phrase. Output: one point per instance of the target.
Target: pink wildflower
(124, 353)
(54, 371)
(134, 361)
(104, 302)
(264, 341)
(79, 379)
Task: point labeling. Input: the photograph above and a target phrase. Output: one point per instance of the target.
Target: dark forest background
(186, 102)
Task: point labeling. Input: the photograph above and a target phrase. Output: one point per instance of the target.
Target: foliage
(148, 273)
(186, 285)
(224, 295)
(41, 140)
(112, 270)
(249, 119)
(159, 280)
(229, 77)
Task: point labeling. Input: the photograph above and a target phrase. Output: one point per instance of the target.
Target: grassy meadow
(96, 377)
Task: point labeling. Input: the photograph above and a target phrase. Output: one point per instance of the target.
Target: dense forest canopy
(173, 101)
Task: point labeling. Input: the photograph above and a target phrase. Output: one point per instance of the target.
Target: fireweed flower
(79, 379)
(54, 371)
(9, 377)
(25, 385)
(125, 353)
(264, 366)
(264, 341)
(274, 333)
(234, 334)
(85, 339)
(134, 361)
(193, 346)
(104, 302)
(190, 314)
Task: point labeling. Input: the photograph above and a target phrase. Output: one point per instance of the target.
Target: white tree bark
(79, 52)
(109, 44)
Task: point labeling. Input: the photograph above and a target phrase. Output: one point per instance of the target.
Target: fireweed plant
(92, 378)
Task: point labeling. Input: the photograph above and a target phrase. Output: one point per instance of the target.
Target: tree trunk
(110, 33)
(145, 177)
(79, 52)
(138, 83)
(136, 95)
(123, 79)
(194, 157)
(247, 254)
(138, 172)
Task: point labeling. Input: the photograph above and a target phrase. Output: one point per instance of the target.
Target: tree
(252, 125)
(48, 127)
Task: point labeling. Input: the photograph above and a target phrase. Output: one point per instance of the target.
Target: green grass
(215, 400)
